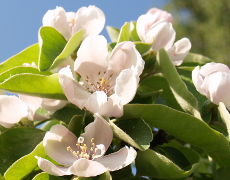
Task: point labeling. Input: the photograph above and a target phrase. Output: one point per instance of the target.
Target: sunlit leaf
(51, 44)
(124, 33)
(45, 176)
(184, 98)
(133, 31)
(193, 59)
(25, 165)
(113, 33)
(34, 84)
(28, 55)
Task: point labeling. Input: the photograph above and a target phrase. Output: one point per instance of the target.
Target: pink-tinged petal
(118, 160)
(161, 34)
(100, 130)
(87, 168)
(52, 169)
(126, 85)
(91, 19)
(98, 102)
(57, 19)
(124, 56)
(198, 80)
(179, 50)
(56, 142)
(217, 86)
(158, 14)
(74, 92)
(9, 103)
(52, 105)
(33, 104)
(92, 58)
(209, 68)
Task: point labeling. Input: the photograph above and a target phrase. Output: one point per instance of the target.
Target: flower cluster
(97, 79)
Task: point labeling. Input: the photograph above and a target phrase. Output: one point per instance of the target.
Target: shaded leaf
(222, 173)
(183, 126)
(138, 134)
(193, 59)
(225, 116)
(10, 148)
(142, 47)
(161, 167)
(76, 125)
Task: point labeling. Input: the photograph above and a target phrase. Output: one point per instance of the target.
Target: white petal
(159, 14)
(52, 105)
(92, 58)
(56, 142)
(98, 102)
(198, 80)
(57, 19)
(217, 86)
(124, 56)
(126, 85)
(52, 169)
(179, 50)
(118, 160)
(33, 104)
(9, 104)
(100, 130)
(91, 19)
(87, 168)
(74, 92)
(161, 34)
(209, 68)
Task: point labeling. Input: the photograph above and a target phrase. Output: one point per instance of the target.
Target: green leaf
(225, 116)
(193, 59)
(133, 31)
(183, 126)
(48, 124)
(122, 173)
(156, 83)
(20, 70)
(45, 176)
(17, 142)
(35, 85)
(184, 98)
(66, 114)
(51, 44)
(222, 173)
(153, 164)
(28, 55)
(133, 131)
(25, 165)
(71, 46)
(105, 176)
(113, 33)
(142, 47)
(76, 125)
(124, 33)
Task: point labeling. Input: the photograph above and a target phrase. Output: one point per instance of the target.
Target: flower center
(102, 84)
(82, 150)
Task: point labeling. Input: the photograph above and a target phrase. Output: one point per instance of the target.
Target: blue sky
(21, 20)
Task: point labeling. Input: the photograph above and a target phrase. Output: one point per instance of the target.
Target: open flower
(213, 81)
(83, 156)
(91, 19)
(107, 81)
(155, 27)
(9, 104)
